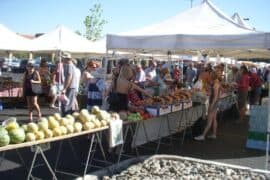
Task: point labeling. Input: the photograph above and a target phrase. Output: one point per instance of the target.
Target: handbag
(36, 88)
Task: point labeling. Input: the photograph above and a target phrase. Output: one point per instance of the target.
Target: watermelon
(3, 131)
(17, 136)
(4, 137)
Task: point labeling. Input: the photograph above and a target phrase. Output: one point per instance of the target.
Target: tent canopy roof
(10, 41)
(240, 20)
(63, 39)
(202, 28)
(203, 19)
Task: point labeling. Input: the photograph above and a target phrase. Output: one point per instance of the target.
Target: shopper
(256, 87)
(57, 80)
(31, 76)
(213, 109)
(191, 74)
(140, 74)
(69, 89)
(243, 88)
(122, 86)
(151, 72)
(94, 95)
(77, 79)
(45, 77)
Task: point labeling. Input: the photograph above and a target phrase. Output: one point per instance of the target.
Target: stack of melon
(92, 121)
(11, 133)
(52, 126)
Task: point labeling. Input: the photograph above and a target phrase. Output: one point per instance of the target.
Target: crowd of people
(130, 83)
(248, 83)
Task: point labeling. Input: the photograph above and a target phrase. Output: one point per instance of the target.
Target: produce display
(177, 96)
(53, 126)
(134, 117)
(4, 137)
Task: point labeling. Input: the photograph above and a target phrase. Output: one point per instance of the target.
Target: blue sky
(37, 16)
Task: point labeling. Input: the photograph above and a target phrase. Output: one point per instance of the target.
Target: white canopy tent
(63, 39)
(203, 27)
(10, 41)
(240, 20)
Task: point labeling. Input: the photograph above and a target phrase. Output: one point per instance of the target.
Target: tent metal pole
(182, 61)
(60, 78)
(268, 130)
(105, 77)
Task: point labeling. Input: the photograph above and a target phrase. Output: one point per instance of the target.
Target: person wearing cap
(94, 95)
(31, 76)
(255, 84)
(70, 85)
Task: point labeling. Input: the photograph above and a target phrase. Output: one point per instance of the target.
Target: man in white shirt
(77, 79)
(70, 85)
(150, 72)
(140, 74)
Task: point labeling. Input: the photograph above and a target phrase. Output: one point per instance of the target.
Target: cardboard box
(177, 107)
(187, 104)
(158, 110)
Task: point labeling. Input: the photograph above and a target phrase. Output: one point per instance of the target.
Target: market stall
(14, 136)
(204, 29)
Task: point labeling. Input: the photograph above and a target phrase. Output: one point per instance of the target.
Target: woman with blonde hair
(122, 86)
(31, 76)
(213, 108)
(94, 94)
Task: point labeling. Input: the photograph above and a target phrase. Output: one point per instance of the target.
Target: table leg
(2, 158)
(58, 156)
(39, 150)
(88, 156)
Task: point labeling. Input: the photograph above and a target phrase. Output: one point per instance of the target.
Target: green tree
(94, 23)
(78, 32)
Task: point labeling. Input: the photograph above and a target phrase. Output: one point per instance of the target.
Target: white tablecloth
(165, 125)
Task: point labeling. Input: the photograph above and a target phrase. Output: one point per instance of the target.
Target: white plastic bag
(63, 99)
(198, 84)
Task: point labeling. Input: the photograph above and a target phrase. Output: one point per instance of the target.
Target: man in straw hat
(70, 85)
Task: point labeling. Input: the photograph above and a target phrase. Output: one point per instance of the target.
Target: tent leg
(268, 131)
(267, 152)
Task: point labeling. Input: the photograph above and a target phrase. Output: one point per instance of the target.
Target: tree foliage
(94, 23)
(78, 32)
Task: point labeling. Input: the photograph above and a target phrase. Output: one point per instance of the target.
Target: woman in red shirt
(256, 87)
(243, 87)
